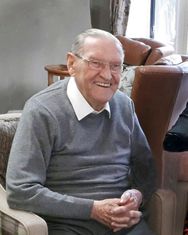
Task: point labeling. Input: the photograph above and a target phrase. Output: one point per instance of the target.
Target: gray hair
(78, 44)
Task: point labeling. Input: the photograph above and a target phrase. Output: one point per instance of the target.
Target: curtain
(181, 40)
(119, 13)
(165, 21)
(139, 19)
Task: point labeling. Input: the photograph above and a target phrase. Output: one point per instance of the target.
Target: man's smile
(102, 84)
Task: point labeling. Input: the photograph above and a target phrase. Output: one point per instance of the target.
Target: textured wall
(34, 33)
(100, 14)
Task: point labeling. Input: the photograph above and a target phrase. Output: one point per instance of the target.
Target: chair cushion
(127, 80)
(158, 53)
(136, 52)
(8, 124)
(173, 59)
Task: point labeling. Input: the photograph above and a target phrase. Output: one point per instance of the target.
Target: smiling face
(97, 86)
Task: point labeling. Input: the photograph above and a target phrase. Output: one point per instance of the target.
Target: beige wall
(34, 33)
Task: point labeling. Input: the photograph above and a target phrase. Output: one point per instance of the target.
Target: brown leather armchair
(160, 94)
(175, 165)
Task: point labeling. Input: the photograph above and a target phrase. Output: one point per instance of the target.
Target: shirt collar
(77, 100)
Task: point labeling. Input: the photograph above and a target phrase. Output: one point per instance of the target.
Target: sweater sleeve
(28, 162)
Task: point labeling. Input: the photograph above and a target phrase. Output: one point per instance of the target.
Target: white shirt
(81, 107)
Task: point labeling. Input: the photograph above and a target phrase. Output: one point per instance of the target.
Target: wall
(34, 33)
(100, 14)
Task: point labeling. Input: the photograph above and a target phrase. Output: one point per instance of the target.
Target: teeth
(103, 84)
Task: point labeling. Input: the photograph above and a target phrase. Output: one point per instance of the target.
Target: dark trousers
(96, 229)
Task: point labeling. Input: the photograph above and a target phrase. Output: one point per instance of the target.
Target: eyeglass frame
(101, 64)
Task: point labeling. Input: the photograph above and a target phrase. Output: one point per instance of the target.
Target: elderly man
(82, 160)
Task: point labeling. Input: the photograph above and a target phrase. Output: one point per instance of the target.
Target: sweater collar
(77, 100)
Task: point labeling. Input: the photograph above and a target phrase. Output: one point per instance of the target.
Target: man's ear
(71, 63)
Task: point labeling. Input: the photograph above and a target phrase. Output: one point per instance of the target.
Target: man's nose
(106, 72)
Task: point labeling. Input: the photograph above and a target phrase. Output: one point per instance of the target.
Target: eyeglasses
(99, 65)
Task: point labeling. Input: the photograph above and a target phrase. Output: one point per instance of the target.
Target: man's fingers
(124, 208)
(126, 221)
(135, 214)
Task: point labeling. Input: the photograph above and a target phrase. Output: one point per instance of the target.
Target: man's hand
(134, 194)
(125, 215)
(102, 210)
(118, 213)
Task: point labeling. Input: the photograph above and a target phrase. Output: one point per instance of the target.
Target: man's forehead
(101, 47)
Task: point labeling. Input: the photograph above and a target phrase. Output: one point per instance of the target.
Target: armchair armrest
(19, 222)
(162, 211)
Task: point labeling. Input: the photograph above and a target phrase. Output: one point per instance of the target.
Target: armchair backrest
(143, 51)
(8, 124)
(158, 49)
(160, 95)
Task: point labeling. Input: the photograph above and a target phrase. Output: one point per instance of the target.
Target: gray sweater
(59, 165)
